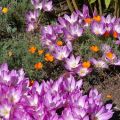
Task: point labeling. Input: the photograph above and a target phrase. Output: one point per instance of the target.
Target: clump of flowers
(32, 17)
(62, 99)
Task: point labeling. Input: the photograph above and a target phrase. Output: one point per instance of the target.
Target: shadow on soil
(116, 116)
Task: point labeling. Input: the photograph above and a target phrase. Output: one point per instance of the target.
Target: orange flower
(31, 82)
(38, 66)
(109, 96)
(115, 34)
(86, 64)
(40, 52)
(109, 55)
(49, 57)
(88, 20)
(97, 18)
(106, 34)
(32, 49)
(94, 48)
(59, 43)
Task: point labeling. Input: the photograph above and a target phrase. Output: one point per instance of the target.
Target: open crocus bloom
(116, 30)
(71, 19)
(72, 62)
(32, 16)
(110, 57)
(81, 71)
(61, 52)
(98, 28)
(72, 32)
(5, 109)
(30, 27)
(43, 5)
(62, 99)
(99, 63)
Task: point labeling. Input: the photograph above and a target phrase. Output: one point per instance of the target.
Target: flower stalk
(116, 7)
(75, 4)
(100, 7)
(70, 5)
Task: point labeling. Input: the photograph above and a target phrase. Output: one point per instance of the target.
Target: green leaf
(91, 1)
(107, 3)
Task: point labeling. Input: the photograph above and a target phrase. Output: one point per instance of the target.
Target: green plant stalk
(116, 5)
(118, 8)
(100, 7)
(70, 5)
(75, 4)
(118, 12)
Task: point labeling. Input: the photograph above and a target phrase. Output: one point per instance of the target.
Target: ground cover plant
(57, 57)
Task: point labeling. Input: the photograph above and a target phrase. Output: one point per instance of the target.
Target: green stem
(70, 5)
(75, 5)
(118, 12)
(116, 4)
(100, 7)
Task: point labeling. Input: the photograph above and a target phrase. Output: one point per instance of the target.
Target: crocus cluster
(108, 58)
(62, 99)
(45, 5)
(32, 16)
(69, 28)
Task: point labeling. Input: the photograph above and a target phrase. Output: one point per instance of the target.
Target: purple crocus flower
(0, 9)
(32, 16)
(81, 71)
(72, 63)
(99, 63)
(48, 32)
(98, 28)
(62, 99)
(72, 32)
(47, 6)
(42, 5)
(116, 27)
(71, 19)
(61, 52)
(34, 2)
(30, 27)
(105, 48)
(5, 109)
(108, 19)
(104, 113)
(85, 11)
(62, 22)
